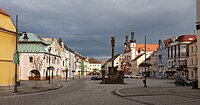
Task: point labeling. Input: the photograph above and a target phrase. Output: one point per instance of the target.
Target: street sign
(16, 57)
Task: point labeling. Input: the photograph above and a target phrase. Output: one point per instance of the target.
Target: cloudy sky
(87, 25)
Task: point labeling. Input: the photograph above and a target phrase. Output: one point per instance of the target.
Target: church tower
(126, 45)
(133, 46)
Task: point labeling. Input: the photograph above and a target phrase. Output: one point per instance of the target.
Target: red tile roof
(149, 47)
(4, 12)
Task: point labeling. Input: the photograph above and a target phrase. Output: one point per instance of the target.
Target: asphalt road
(77, 92)
(88, 92)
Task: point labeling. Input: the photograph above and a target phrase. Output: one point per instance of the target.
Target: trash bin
(195, 85)
(18, 83)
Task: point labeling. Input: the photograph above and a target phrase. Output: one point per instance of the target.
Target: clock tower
(133, 46)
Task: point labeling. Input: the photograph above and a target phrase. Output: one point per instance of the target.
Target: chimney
(25, 37)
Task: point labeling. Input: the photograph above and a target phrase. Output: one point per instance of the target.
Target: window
(192, 74)
(47, 59)
(196, 61)
(183, 62)
(196, 49)
(183, 54)
(169, 63)
(63, 63)
(174, 51)
(177, 50)
(191, 61)
(58, 61)
(182, 46)
(191, 50)
(30, 59)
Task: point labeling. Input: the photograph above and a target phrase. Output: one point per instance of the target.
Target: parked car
(183, 81)
(137, 76)
(127, 76)
(96, 77)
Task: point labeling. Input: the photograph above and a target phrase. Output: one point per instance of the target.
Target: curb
(37, 91)
(119, 94)
(59, 86)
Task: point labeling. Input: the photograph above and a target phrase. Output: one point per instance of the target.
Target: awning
(145, 64)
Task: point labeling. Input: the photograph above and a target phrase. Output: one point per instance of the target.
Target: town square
(75, 52)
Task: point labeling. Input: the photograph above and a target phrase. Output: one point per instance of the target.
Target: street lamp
(73, 73)
(79, 74)
(15, 86)
(86, 74)
(75, 67)
(145, 63)
(53, 68)
(66, 70)
(16, 55)
(145, 81)
(49, 64)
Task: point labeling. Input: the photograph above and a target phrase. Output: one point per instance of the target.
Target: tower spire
(132, 37)
(126, 41)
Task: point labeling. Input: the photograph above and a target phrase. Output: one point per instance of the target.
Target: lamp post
(79, 74)
(75, 66)
(145, 81)
(49, 64)
(16, 55)
(66, 70)
(73, 73)
(54, 66)
(86, 74)
(15, 86)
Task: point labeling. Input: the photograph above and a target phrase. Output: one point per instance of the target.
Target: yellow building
(192, 60)
(8, 47)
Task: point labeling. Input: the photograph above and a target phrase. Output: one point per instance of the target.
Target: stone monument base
(117, 78)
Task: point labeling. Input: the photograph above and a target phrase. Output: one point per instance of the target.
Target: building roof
(4, 12)
(32, 38)
(6, 22)
(93, 60)
(168, 41)
(195, 40)
(33, 44)
(149, 47)
(186, 38)
(110, 60)
(138, 56)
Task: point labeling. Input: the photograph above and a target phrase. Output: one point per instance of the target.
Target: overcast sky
(87, 25)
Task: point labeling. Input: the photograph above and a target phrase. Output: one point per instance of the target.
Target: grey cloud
(86, 25)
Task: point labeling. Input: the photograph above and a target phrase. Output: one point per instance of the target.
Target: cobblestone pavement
(31, 87)
(161, 92)
(88, 92)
